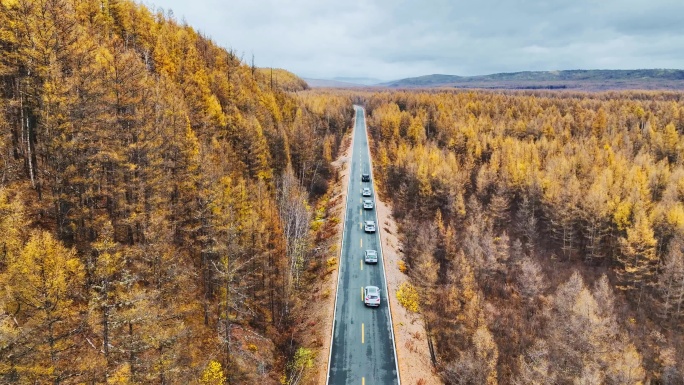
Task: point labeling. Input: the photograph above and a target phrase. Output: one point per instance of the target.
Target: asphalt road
(363, 344)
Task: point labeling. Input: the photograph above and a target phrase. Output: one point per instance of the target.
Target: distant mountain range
(362, 81)
(342, 82)
(331, 83)
(570, 79)
(592, 80)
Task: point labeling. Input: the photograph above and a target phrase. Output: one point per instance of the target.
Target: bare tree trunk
(26, 136)
(131, 353)
(205, 284)
(680, 297)
(105, 324)
(295, 217)
(227, 324)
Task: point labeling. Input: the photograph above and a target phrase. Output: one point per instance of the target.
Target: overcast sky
(393, 39)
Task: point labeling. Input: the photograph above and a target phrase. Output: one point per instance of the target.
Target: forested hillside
(543, 232)
(283, 79)
(154, 201)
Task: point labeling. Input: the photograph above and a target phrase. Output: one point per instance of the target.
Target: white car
(371, 296)
(369, 226)
(366, 192)
(371, 256)
(367, 204)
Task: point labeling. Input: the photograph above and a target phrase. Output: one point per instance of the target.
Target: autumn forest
(165, 213)
(154, 196)
(543, 232)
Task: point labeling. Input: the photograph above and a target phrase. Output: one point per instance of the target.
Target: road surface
(362, 350)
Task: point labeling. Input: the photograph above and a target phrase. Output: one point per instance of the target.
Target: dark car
(365, 177)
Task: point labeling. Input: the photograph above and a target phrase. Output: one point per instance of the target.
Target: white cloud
(393, 39)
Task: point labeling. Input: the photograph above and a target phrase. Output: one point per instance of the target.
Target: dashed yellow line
(363, 339)
(361, 242)
(363, 380)
(361, 263)
(361, 293)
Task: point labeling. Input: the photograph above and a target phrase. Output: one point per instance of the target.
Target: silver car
(371, 256)
(366, 192)
(368, 204)
(369, 226)
(371, 296)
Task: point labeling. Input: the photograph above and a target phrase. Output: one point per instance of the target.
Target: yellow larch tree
(41, 287)
(638, 259)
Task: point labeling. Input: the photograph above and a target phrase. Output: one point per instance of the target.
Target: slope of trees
(543, 230)
(154, 200)
(283, 79)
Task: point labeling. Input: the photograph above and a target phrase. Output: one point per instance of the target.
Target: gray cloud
(393, 39)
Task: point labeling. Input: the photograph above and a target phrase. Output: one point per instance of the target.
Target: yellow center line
(362, 334)
(361, 293)
(361, 263)
(361, 242)
(363, 380)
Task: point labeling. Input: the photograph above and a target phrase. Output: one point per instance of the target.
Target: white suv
(369, 226)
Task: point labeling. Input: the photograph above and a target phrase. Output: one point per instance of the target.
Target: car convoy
(371, 294)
